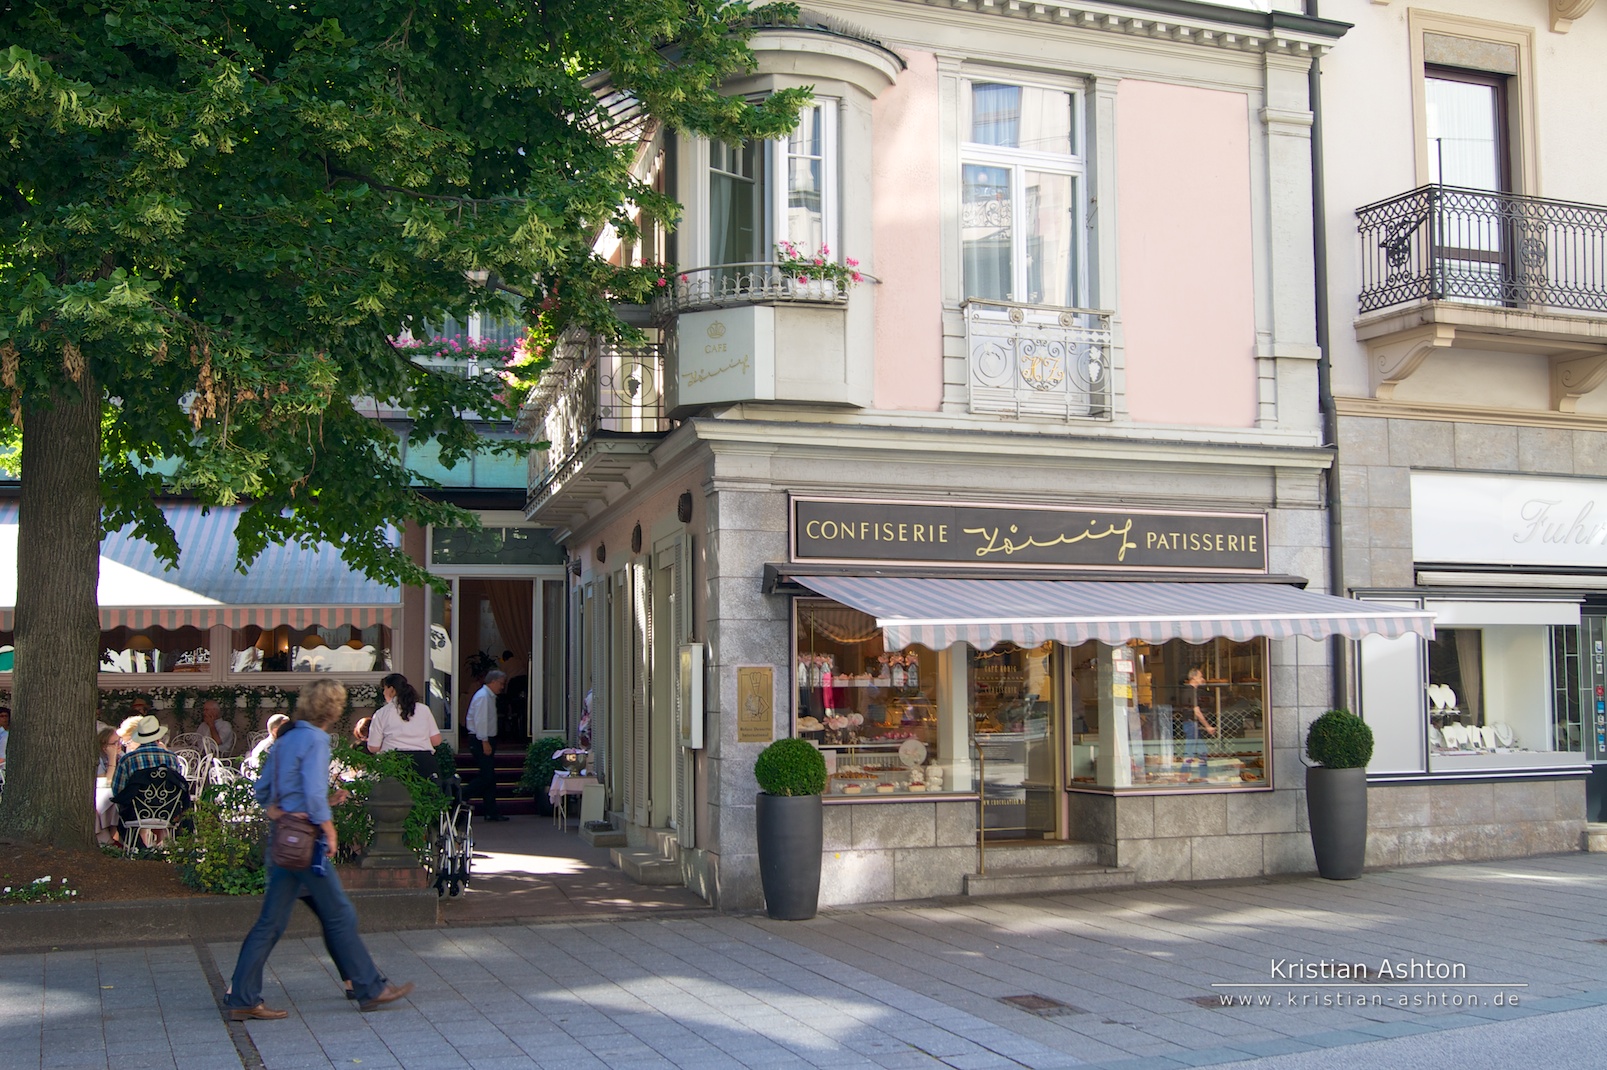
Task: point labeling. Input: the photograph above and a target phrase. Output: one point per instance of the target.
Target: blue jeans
(1193, 744)
(336, 914)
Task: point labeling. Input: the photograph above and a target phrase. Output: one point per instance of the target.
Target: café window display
(889, 722)
(155, 650)
(1168, 716)
(337, 648)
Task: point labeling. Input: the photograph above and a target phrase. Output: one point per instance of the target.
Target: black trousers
(484, 783)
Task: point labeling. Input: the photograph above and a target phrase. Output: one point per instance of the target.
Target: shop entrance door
(1013, 703)
(487, 623)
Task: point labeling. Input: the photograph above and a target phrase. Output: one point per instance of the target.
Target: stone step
(646, 867)
(610, 837)
(1595, 837)
(1040, 854)
(1041, 879)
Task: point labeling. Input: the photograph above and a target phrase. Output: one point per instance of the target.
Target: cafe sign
(851, 531)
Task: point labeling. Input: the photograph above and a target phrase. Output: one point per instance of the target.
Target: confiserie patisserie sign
(1036, 536)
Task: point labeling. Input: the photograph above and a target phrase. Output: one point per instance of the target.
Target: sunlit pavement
(1133, 979)
(527, 869)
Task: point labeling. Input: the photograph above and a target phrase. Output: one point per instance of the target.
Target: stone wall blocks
(927, 874)
(1226, 857)
(1261, 811)
(1487, 447)
(882, 827)
(956, 824)
(1093, 817)
(1135, 817)
(1392, 806)
(1190, 815)
(1461, 804)
(1158, 861)
(848, 877)
(1418, 442)
(1545, 449)
(1287, 852)
(1389, 488)
(1364, 440)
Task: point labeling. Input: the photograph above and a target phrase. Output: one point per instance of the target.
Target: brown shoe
(391, 994)
(261, 1010)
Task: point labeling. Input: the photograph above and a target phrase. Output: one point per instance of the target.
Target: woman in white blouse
(405, 724)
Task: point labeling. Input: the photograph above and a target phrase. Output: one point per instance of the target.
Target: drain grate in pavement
(1603, 941)
(1042, 1006)
(1205, 1001)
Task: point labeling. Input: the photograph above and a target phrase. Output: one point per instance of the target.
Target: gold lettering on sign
(874, 531)
(1205, 543)
(1009, 546)
(701, 375)
(755, 691)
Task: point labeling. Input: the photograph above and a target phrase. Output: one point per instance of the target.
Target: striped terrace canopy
(289, 584)
(937, 613)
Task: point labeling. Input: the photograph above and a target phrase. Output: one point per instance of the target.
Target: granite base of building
(1416, 823)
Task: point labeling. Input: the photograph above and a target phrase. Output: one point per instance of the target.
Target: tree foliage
(216, 216)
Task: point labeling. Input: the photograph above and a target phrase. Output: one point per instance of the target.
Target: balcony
(1027, 360)
(1446, 267)
(755, 332)
(599, 406)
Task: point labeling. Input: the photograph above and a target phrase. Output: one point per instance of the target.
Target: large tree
(216, 215)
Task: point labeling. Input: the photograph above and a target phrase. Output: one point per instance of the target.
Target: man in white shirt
(481, 722)
(219, 731)
(5, 734)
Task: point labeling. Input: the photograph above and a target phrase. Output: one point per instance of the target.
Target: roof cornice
(1183, 21)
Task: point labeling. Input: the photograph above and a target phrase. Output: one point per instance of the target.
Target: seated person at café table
(277, 724)
(111, 750)
(216, 729)
(135, 768)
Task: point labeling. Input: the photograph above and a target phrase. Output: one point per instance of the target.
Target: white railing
(594, 386)
(727, 285)
(1028, 360)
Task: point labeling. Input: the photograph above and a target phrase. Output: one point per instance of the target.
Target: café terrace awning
(939, 612)
(299, 586)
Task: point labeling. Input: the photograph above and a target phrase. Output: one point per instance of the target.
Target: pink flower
(825, 250)
(819, 260)
(663, 281)
(856, 276)
(851, 262)
(683, 278)
(803, 279)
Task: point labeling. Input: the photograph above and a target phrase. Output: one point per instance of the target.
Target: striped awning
(294, 585)
(938, 613)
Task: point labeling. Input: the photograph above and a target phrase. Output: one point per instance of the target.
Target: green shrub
(1339, 740)
(540, 765)
(221, 850)
(354, 826)
(790, 767)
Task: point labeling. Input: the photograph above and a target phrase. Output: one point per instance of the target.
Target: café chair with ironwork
(154, 807)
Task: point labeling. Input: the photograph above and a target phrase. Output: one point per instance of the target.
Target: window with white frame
(1021, 194)
(764, 193)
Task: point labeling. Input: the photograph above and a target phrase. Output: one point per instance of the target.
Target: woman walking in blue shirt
(295, 779)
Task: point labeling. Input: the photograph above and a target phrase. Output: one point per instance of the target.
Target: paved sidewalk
(1130, 974)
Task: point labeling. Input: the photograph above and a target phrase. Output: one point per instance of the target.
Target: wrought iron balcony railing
(595, 386)
(727, 285)
(1446, 243)
(1028, 360)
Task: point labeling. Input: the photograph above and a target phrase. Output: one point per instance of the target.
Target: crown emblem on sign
(716, 329)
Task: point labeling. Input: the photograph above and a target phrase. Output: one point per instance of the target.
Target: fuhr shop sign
(1026, 536)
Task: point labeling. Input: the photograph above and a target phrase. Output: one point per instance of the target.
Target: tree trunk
(50, 757)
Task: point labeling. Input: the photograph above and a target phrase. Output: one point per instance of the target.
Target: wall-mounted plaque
(755, 703)
(854, 531)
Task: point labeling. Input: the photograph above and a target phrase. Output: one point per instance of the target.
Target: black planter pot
(1336, 805)
(790, 837)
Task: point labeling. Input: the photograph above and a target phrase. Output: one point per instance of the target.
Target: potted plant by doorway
(791, 775)
(1341, 745)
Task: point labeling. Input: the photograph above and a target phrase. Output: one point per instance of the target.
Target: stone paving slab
(1159, 977)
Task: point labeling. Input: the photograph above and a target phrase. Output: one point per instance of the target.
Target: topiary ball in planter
(790, 767)
(1339, 740)
(1336, 793)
